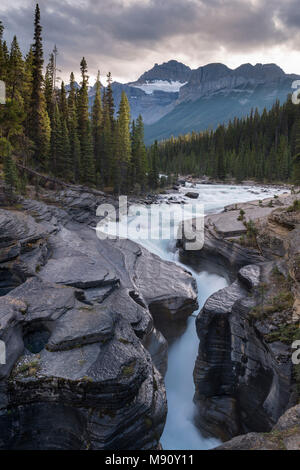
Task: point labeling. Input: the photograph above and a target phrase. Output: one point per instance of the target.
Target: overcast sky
(128, 36)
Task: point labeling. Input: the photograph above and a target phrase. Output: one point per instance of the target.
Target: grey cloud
(127, 36)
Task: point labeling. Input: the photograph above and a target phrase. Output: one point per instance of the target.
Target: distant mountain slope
(214, 78)
(216, 94)
(151, 106)
(173, 99)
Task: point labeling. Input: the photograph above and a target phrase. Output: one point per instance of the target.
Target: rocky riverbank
(192, 181)
(244, 377)
(84, 358)
(285, 435)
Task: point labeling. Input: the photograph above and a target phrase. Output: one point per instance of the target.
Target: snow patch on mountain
(159, 85)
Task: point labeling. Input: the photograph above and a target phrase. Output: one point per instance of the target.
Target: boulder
(285, 435)
(192, 195)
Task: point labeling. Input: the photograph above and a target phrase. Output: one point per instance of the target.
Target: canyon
(244, 376)
(82, 320)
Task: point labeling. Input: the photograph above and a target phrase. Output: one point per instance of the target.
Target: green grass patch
(285, 333)
(295, 207)
(129, 369)
(28, 369)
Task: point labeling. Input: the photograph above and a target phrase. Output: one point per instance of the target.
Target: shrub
(242, 215)
(285, 333)
(295, 206)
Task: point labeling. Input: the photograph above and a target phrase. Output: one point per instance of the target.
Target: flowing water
(180, 433)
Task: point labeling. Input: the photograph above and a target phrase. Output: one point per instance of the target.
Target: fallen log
(58, 182)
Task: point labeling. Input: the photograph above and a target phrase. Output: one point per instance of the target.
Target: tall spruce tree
(15, 73)
(39, 120)
(49, 86)
(84, 129)
(107, 143)
(97, 126)
(4, 57)
(65, 164)
(61, 157)
(153, 175)
(55, 140)
(109, 100)
(63, 103)
(139, 155)
(123, 147)
(73, 129)
(220, 173)
(12, 114)
(9, 167)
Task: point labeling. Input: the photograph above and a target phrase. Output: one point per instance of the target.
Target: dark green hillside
(209, 112)
(264, 146)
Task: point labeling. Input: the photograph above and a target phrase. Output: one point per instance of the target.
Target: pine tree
(61, 158)
(12, 115)
(283, 160)
(73, 132)
(109, 100)
(49, 86)
(65, 164)
(9, 167)
(107, 143)
(84, 129)
(88, 166)
(55, 139)
(139, 155)
(63, 104)
(220, 152)
(4, 58)
(153, 177)
(4, 61)
(97, 126)
(39, 120)
(107, 152)
(15, 73)
(11, 121)
(123, 146)
(72, 95)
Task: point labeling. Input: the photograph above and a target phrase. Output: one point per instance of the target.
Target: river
(180, 433)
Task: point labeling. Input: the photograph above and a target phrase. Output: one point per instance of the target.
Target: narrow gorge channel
(180, 431)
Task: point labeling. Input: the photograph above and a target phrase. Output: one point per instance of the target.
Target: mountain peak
(171, 71)
(260, 71)
(213, 71)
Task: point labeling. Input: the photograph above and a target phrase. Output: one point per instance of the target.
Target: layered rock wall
(84, 359)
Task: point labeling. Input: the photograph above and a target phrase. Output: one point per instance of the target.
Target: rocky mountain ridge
(213, 78)
(170, 71)
(174, 99)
